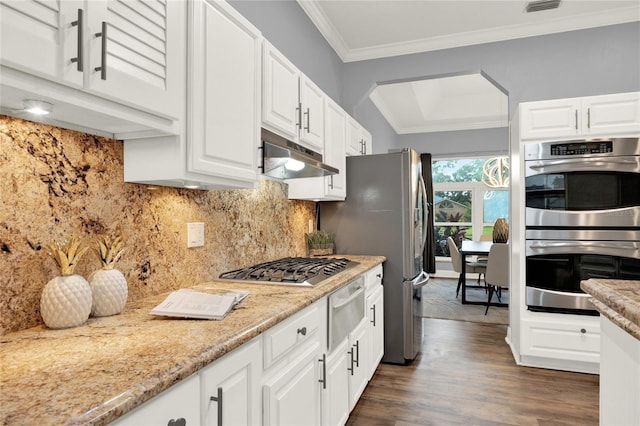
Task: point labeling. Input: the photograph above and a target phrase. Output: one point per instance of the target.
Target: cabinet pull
(588, 118)
(379, 275)
(583, 330)
(373, 321)
(302, 331)
(308, 114)
(323, 360)
(80, 24)
(299, 114)
(350, 369)
(177, 422)
(218, 399)
(331, 182)
(103, 55)
(576, 119)
(357, 345)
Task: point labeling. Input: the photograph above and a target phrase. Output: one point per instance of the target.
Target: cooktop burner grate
(291, 270)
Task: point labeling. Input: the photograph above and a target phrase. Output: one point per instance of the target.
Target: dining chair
(497, 273)
(456, 262)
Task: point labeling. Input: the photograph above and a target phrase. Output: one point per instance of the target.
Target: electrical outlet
(195, 234)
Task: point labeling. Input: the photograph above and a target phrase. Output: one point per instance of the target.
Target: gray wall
(290, 30)
(578, 63)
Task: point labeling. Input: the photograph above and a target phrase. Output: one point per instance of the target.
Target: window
(464, 207)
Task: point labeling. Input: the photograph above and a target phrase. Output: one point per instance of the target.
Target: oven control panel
(582, 147)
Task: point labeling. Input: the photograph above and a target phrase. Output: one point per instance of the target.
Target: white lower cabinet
(284, 376)
(375, 314)
(230, 387)
(561, 341)
(335, 397)
(358, 368)
(178, 402)
(292, 394)
(619, 376)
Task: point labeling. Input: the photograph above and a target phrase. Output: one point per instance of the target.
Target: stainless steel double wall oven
(582, 219)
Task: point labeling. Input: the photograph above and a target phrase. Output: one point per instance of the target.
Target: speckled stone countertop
(94, 373)
(618, 300)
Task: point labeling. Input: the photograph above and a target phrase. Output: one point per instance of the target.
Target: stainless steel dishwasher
(346, 310)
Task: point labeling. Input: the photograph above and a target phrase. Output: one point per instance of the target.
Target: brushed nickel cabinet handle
(302, 331)
(576, 119)
(351, 361)
(308, 114)
(80, 24)
(588, 118)
(299, 115)
(373, 320)
(218, 399)
(323, 360)
(357, 345)
(103, 56)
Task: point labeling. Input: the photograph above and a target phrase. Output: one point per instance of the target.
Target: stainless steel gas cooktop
(300, 271)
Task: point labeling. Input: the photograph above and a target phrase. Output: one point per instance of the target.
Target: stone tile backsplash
(57, 183)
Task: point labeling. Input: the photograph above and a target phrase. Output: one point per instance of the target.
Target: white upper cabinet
(126, 54)
(281, 106)
(359, 140)
(293, 106)
(134, 58)
(217, 147)
(224, 93)
(607, 115)
(312, 107)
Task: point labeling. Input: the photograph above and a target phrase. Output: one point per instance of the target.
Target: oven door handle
(355, 295)
(582, 162)
(612, 245)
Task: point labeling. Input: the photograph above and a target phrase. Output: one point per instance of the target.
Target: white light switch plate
(195, 234)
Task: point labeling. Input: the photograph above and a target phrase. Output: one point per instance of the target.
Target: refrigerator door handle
(425, 212)
(421, 280)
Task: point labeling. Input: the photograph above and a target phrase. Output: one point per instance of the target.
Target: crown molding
(600, 19)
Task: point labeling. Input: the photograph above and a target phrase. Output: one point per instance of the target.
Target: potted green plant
(320, 242)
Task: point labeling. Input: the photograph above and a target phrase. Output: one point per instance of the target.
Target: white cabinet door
(375, 313)
(312, 124)
(224, 97)
(292, 396)
(335, 400)
(181, 401)
(335, 149)
(359, 140)
(141, 61)
(550, 119)
(231, 387)
(280, 108)
(358, 368)
(41, 38)
(611, 114)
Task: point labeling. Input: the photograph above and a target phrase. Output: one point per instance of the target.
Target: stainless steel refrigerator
(385, 213)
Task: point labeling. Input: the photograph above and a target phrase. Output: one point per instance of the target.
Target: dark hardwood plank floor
(466, 375)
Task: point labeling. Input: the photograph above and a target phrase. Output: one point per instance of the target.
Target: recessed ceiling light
(538, 5)
(38, 107)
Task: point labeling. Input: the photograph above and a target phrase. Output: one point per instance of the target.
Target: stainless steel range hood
(284, 159)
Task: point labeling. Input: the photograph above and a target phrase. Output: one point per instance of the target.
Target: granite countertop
(94, 373)
(618, 300)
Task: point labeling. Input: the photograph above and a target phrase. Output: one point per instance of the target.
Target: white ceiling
(369, 29)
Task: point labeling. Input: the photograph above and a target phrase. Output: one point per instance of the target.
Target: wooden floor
(466, 375)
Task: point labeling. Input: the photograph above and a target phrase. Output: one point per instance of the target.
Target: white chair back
(498, 265)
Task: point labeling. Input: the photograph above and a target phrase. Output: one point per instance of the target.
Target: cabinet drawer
(292, 332)
(574, 341)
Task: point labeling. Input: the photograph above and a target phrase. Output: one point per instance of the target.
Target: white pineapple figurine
(66, 300)
(108, 285)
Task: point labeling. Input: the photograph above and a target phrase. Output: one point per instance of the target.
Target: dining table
(473, 248)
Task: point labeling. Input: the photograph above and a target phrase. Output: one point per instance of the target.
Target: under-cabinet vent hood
(284, 159)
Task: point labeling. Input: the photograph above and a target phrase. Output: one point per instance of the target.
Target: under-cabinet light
(37, 107)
